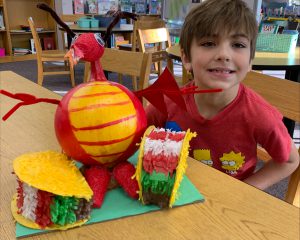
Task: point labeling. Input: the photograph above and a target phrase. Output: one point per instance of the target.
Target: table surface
(264, 59)
(232, 209)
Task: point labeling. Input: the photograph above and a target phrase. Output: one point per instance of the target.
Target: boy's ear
(186, 61)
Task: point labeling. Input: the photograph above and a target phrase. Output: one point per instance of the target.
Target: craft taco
(161, 165)
(51, 192)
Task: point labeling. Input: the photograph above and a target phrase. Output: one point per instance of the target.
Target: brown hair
(218, 16)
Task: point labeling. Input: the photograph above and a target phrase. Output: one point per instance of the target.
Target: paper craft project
(161, 165)
(117, 205)
(51, 192)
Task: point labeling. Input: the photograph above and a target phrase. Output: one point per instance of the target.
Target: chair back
(36, 38)
(144, 22)
(128, 63)
(284, 95)
(160, 38)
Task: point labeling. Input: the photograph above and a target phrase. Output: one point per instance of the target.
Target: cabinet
(16, 13)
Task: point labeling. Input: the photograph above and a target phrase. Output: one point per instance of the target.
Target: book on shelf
(2, 26)
(21, 51)
(48, 43)
(154, 7)
(106, 5)
(79, 6)
(32, 46)
(92, 6)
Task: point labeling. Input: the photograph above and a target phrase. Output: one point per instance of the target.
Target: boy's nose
(223, 54)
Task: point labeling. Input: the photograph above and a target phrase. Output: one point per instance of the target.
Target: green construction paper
(117, 204)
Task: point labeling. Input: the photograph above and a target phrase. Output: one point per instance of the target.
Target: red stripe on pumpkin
(99, 106)
(97, 94)
(101, 143)
(108, 124)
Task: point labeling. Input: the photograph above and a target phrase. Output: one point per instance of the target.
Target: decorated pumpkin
(99, 122)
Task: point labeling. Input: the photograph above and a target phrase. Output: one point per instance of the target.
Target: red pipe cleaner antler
(26, 99)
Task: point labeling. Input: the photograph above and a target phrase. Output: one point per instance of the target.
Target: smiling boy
(218, 45)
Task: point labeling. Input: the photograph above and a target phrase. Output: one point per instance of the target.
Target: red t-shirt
(228, 141)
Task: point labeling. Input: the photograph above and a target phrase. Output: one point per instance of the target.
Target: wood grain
(232, 210)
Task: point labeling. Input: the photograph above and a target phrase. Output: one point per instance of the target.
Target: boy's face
(219, 61)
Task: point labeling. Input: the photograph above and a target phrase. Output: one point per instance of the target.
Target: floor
(61, 85)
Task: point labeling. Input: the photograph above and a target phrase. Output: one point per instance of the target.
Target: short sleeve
(275, 139)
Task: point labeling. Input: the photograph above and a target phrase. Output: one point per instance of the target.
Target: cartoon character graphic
(232, 162)
(203, 155)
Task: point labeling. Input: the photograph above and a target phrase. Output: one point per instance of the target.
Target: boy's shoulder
(258, 104)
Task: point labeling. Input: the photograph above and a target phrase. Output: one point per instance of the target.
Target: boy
(218, 45)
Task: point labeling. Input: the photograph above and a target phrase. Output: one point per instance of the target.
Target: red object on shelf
(48, 43)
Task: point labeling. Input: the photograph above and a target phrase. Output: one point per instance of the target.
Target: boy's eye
(239, 45)
(207, 44)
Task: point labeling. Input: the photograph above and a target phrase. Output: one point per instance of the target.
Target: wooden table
(232, 210)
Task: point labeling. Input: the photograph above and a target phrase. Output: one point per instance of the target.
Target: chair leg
(159, 64)
(72, 78)
(134, 83)
(87, 72)
(293, 192)
(170, 65)
(120, 78)
(40, 73)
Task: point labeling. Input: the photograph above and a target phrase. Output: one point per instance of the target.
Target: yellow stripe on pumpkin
(106, 160)
(96, 87)
(108, 133)
(101, 115)
(93, 99)
(108, 149)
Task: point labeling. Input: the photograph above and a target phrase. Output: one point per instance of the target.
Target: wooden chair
(49, 56)
(145, 23)
(127, 63)
(160, 37)
(284, 95)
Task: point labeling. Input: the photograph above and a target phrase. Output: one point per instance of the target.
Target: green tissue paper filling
(62, 210)
(158, 183)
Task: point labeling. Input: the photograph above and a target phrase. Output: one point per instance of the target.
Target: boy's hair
(218, 17)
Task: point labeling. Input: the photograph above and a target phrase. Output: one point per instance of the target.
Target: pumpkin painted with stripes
(99, 122)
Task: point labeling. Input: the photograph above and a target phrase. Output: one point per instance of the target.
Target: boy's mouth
(221, 70)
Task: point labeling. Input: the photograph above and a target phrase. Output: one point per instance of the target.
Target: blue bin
(105, 21)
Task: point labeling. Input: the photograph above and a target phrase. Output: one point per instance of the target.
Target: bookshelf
(15, 14)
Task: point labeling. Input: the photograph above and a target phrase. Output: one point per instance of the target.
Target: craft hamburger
(51, 192)
(161, 165)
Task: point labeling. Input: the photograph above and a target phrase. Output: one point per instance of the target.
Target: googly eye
(99, 39)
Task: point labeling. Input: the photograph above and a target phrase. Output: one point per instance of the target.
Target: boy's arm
(272, 172)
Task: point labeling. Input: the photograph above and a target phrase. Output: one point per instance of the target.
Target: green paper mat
(117, 205)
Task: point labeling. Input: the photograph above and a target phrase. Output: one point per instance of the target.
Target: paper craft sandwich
(161, 165)
(51, 192)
